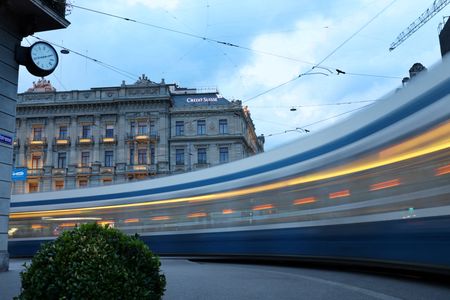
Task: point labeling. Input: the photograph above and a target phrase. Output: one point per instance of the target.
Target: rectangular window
(109, 133)
(201, 127)
(36, 161)
(109, 158)
(179, 156)
(82, 183)
(223, 126)
(142, 128)
(132, 128)
(142, 156)
(179, 128)
(86, 132)
(223, 155)
(37, 133)
(152, 128)
(201, 155)
(131, 156)
(33, 187)
(85, 161)
(61, 160)
(62, 132)
(152, 154)
(59, 185)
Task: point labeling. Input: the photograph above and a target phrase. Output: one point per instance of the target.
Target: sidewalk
(10, 281)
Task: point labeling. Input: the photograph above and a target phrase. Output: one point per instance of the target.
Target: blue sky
(299, 30)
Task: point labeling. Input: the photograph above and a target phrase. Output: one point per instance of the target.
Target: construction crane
(437, 6)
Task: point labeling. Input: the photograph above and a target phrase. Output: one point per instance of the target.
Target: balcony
(143, 137)
(201, 166)
(107, 170)
(83, 170)
(61, 141)
(108, 139)
(37, 142)
(141, 169)
(58, 171)
(35, 172)
(89, 140)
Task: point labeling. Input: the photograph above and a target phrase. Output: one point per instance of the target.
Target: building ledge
(41, 15)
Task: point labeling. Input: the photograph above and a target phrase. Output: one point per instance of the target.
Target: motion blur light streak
(160, 218)
(262, 207)
(67, 225)
(340, 194)
(103, 223)
(403, 140)
(384, 185)
(197, 215)
(134, 220)
(362, 165)
(37, 226)
(443, 170)
(304, 201)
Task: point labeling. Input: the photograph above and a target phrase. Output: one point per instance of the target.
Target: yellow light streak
(108, 140)
(134, 220)
(227, 211)
(371, 162)
(62, 142)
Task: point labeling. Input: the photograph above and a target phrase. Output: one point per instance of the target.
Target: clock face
(44, 56)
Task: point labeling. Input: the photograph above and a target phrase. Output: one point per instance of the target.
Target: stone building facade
(18, 19)
(73, 139)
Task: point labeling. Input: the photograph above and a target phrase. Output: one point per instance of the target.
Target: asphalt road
(208, 280)
(193, 280)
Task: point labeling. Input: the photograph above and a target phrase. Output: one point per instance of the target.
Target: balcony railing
(37, 141)
(35, 172)
(108, 139)
(59, 171)
(201, 166)
(87, 140)
(83, 170)
(107, 170)
(143, 137)
(62, 141)
(135, 169)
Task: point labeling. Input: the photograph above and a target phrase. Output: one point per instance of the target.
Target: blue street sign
(5, 139)
(19, 174)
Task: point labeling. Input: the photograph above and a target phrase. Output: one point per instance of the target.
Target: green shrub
(93, 262)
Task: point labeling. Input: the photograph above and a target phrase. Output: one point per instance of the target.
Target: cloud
(271, 111)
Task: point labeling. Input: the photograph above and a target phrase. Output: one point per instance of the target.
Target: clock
(42, 59)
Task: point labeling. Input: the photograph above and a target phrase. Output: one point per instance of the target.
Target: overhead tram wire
(316, 105)
(304, 128)
(318, 65)
(192, 35)
(208, 39)
(101, 63)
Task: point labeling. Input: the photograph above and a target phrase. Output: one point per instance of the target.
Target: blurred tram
(374, 188)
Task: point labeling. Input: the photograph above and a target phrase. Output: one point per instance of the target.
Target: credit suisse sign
(201, 99)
